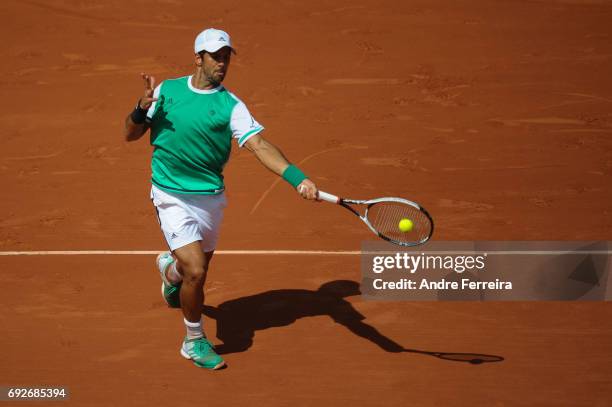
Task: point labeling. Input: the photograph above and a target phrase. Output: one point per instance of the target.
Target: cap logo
(221, 39)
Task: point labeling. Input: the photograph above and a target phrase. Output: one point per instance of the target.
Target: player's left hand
(307, 189)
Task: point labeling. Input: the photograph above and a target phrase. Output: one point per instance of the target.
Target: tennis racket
(383, 215)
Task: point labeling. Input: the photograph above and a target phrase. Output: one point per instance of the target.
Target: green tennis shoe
(202, 353)
(170, 292)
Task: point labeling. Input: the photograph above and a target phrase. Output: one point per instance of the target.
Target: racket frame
(327, 197)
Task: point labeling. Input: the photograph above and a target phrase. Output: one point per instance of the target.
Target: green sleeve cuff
(294, 175)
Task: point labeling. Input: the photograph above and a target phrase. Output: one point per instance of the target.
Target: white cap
(212, 40)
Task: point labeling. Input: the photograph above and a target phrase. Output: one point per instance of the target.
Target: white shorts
(186, 218)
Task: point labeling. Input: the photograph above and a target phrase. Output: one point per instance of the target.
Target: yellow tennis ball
(405, 225)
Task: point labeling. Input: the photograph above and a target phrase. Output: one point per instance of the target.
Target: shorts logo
(173, 236)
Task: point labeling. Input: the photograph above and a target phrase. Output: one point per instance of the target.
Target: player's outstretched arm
(135, 125)
(274, 160)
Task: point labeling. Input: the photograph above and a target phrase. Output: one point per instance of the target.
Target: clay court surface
(496, 116)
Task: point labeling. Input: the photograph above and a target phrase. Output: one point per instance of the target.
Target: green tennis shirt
(191, 133)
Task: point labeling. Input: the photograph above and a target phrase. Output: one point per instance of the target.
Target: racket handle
(324, 196)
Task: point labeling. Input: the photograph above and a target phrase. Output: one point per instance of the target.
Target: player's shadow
(238, 319)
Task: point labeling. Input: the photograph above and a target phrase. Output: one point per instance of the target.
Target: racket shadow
(471, 358)
(238, 319)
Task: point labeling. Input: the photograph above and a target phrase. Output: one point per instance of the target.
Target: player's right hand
(147, 100)
(307, 190)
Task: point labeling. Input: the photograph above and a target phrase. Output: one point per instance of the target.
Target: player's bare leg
(193, 264)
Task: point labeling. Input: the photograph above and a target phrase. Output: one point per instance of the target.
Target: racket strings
(385, 218)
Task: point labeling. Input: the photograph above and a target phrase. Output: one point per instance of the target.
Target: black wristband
(139, 115)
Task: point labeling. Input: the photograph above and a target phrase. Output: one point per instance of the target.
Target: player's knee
(194, 271)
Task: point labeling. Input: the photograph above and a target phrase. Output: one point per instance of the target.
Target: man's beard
(215, 82)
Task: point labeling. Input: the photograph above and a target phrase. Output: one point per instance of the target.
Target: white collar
(202, 91)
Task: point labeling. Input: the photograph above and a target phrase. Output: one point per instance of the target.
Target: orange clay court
(496, 116)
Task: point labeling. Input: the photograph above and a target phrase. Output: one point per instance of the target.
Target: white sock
(173, 275)
(194, 329)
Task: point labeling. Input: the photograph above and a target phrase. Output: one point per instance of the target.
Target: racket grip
(324, 196)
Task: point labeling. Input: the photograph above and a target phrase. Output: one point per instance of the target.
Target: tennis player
(193, 120)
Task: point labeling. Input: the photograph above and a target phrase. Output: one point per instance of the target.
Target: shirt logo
(173, 236)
